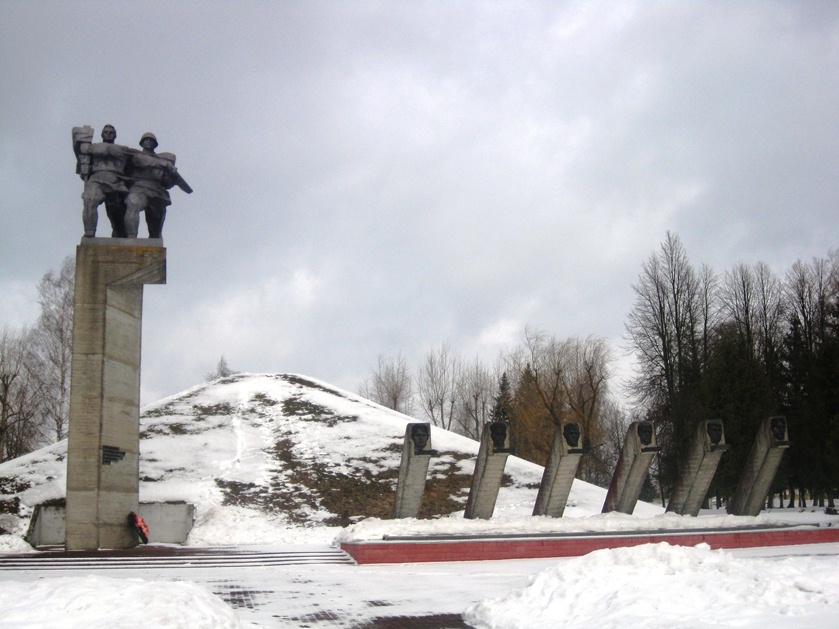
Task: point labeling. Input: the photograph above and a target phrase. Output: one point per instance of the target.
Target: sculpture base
(104, 442)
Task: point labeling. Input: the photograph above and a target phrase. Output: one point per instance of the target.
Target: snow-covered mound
(281, 458)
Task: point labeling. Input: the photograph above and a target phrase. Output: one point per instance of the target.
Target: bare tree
(222, 370)
(389, 384)
(739, 300)
(477, 397)
(19, 397)
(438, 386)
(810, 292)
(771, 311)
(604, 454)
(669, 324)
(584, 381)
(569, 379)
(670, 329)
(51, 348)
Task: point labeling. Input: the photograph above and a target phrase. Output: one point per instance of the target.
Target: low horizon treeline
(738, 346)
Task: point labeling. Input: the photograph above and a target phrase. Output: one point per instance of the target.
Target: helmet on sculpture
(149, 136)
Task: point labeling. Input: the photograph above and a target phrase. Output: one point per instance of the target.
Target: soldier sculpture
(128, 181)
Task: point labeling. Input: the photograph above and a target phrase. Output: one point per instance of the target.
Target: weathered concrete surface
(560, 471)
(103, 446)
(413, 470)
(771, 442)
(697, 472)
(489, 470)
(634, 463)
(168, 522)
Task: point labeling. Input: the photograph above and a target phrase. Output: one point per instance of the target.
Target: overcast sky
(374, 177)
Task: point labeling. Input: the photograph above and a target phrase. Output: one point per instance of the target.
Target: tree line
(738, 346)
(35, 370)
(534, 387)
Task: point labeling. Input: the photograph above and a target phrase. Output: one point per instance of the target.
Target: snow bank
(658, 585)
(105, 602)
(14, 544)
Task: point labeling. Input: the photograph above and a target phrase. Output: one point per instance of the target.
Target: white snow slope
(281, 458)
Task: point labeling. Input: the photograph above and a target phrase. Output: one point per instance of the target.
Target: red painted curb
(520, 548)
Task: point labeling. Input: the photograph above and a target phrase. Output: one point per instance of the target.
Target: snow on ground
(453, 525)
(216, 446)
(658, 585)
(94, 601)
(226, 431)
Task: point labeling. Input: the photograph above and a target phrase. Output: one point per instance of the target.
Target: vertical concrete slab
(413, 470)
(560, 471)
(768, 449)
(489, 470)
(634, 463)
(697, 471)
(103, 436)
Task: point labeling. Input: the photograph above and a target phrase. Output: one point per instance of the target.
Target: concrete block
(560, 471)
(413, 470)
(768, 449)
(636, 456)
(168, 522)
(697, 471)
(489, 470)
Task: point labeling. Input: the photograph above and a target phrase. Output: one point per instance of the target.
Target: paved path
(308, 586)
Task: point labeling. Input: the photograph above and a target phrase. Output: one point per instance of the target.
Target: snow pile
(94, 601)
(646, 518)
(658, 585)
(14, 544)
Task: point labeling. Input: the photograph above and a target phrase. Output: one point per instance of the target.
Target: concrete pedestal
(413, 470)
(697, 472)
(637, 454)
(764, 459)
(103, 446)
(560, 471)
(489, 470)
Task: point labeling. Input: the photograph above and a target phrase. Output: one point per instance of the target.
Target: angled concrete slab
(413, 470)
(697, 472)
(560, 470)
(638, 451)
(768, 449)
(489, 470)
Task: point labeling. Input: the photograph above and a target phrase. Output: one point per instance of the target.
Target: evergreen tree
(502, 407)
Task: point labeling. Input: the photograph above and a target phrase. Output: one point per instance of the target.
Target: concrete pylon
(104, 442)
(634, 463)
(697, 472)
(771, 442)
(489, 470)
(560, 471)
(413, 470)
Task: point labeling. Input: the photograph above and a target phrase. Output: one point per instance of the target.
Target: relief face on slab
(571, 433)
(420, 434)
(645, 433)
(714, 429)
(498, 434)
